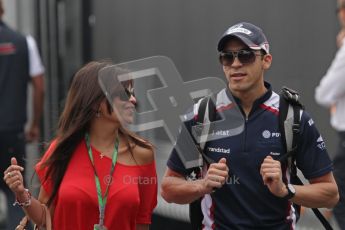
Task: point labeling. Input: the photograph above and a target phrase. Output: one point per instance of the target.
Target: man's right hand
(216, 176)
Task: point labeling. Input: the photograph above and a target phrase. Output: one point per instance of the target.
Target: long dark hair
(83, 100)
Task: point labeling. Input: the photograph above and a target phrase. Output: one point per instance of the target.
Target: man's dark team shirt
(244, 202)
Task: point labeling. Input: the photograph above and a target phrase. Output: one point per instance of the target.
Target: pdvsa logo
(267, 134)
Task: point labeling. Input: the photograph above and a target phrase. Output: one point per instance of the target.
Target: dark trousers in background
(339, 174)
(12, 144)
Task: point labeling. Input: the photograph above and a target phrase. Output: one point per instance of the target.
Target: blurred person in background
(96, 174)
(20, 64)
(331, 94)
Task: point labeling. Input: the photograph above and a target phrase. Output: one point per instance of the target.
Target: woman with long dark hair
(96, 174)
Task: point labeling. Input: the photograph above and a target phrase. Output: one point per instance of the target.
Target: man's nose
(236, 62)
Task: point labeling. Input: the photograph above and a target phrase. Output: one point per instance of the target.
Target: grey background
(301, 35)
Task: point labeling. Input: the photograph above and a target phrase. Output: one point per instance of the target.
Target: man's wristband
(291, 192)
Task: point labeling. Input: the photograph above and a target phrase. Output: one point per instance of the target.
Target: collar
(257, 102)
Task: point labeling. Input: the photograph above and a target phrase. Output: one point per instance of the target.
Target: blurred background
(71, 33)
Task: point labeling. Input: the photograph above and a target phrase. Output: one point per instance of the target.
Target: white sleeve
(35, 63)
(332, 85)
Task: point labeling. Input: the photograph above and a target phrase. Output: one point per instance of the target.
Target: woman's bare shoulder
(143, 155)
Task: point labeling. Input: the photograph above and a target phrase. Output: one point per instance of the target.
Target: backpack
(290, 110)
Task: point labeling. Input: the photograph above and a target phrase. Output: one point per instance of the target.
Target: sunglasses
(227, 58)
(124, 95)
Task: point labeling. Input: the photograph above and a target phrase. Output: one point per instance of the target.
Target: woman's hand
(14, 178)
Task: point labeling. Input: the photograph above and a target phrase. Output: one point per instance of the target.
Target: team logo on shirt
(221, 133)
(310, 122)
(7, 49)
(194, 175)
(320, 143)
(275, 154)
(218, 150)
(267, 134)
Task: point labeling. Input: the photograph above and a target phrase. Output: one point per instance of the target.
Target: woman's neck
(103, 136)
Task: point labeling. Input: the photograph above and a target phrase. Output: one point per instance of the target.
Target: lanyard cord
(101, 200)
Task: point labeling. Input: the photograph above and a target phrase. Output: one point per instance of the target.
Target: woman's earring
(98, 114)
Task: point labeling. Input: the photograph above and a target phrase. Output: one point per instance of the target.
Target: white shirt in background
(331, 90)
(36, 67)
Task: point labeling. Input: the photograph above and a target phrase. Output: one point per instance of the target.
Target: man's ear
(266, 61)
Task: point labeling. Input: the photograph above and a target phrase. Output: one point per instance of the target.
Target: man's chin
(237, 87)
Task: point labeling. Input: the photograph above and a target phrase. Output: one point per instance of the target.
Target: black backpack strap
(207, 109)
(283, 109)
(289, 124)
(206, 102)
(289, 120)
(212, 112)
(202, 109)
(206, 114)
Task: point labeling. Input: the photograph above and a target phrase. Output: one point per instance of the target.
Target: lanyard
(101, 200)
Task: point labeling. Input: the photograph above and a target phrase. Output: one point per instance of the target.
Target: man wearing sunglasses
(331, 94)
(259, 194)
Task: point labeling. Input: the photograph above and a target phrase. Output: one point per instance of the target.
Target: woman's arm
(147, 191)
(31, 206)
(35, 211)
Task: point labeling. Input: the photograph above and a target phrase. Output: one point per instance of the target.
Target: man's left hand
(271, 173)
